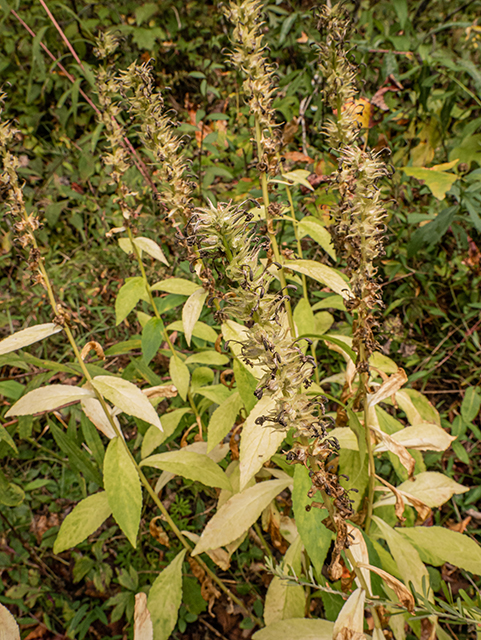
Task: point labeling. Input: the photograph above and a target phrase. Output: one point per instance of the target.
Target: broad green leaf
(238, 514)
(48, 399)
(127, 298)
(471, 404)
(78, 458)
(28, 336)
(407, 558)
(246, 385)
(439, 182)
(87, 516)
(468, 151)
(223, 419)
(8, 626)
(321, 273)
(331, 302)
(6, 437)
(297, 629)
(11, 495)
(212, 358)
(283, 600)
(152, 248)
(438, 545)
(315, 536)
(180, 375)
(314, 228)
(127, 397)
(154, 438)
(165, 597)
(11, 389)
(304, 320)
(190, 465)
(152, 337)
(191, 312)
(201, 330)
(258, 442)
(431, 487)
(176, 285)
(122, 484)
(357, 473)
(382, 362)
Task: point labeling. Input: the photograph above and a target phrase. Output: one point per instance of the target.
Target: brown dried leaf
(161, 391)
(207, 589)
(399, 508)
(157, 532)
(406, 598)
(297, 156)
(95, 346)
(143, 628)
(388, 388)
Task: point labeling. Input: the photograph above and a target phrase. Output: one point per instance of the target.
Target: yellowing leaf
(191, 312)
(295, 177)
(321, 273)
(236, 334)
(406, 598)
(176, 285)
(388, 387)
(258, 442)
(152, 248)
(95, 413)
(438, 182)
(165, 597)
(310, 226)
(201, 330)
(127, 397)
(358, 548)
(212, 358)
(28, 336)
(122, 485)
(238, 514)
(350, 621)
(441, 545)
(283, 600)
(180, 375)
(223, 419)
(143, 628)
(47, 399)
(424, 437)
(220, 556)
(433, 488)
(87, 516)
(8, 627)
(153, 438)
(130, 293)
(193, 466)
(296, 629)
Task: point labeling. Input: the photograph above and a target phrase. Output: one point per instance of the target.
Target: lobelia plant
(366, 539)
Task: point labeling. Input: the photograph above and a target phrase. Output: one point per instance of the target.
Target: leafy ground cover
(419, 104)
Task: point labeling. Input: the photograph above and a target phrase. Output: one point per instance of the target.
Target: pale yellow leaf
(388, 388)
(431, 487)
(424, 437)
(358, 548)
(238, 514)
(152, 248)
(8, 627)
(236, 334)
(284, 600)
(405, 596)
(296, 629)
(321, 273)
(176, 285)
(350, 621)
(143, 628)
(191, 312)
(388, 443)
(258, 442)
(48, 399)
(25, 337)
(180, 375)
(220, 556)
(160, 391)
(191, 465)
(95, 413)
(127, 397)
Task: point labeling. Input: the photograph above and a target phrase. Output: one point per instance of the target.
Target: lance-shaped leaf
(122, 484)
(223, 419)
(322, 273)
(310, 226)
(95, 413)
(87, 516)
(388, 443)
(48, 399)
(406, 598)
(297, 629)
(424, 437)
(165, 597)
(28, 336)
(388, 387)
(284, 600)
(130, 293)
(350, 621)
(191, 312)
(8, 627)
(238, 514)
(152, 248)
(176, 285)
(190, 465)
(143, 627)
(220, 556)
(180, 375)
(359, 551)
(258, 442)
(127, 397)
(431, 487)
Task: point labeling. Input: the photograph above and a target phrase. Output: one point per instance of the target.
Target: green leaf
(78, 458)
(429, 234)
(152, 248)
(180, 376)
(314, 228)
(11, 389)
(321, 273)
(439, 182)
(191, 312)
(212, 358)
(297, 629)
(223, 419)
(468, 151)
(200, 330)
(471, 404)
(127, 298)
(122, 484)
(127, 397)
(152, 336)
(438, 545)
(238, 514)
(176, 285)
(331, 302)
(165, 597)
(217, 393)
(357, 472)
(246, 385)
(190, 465)
(29, 336)
(11, 495)
(315, 536)
(6, 437)
(47, 399)
(87, 516)
(154, 438)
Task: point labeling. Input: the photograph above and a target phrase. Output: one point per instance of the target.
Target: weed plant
(238, 422)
